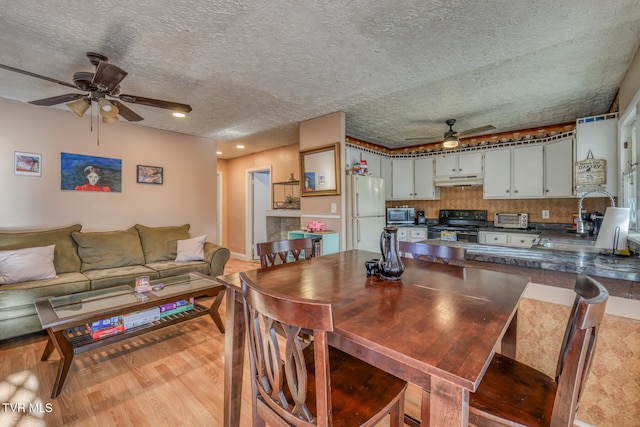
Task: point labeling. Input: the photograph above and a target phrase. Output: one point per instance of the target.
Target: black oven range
(458, 224)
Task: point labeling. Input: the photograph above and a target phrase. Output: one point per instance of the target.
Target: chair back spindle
(283, 251)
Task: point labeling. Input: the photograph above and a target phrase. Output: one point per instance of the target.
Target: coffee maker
(420, 218)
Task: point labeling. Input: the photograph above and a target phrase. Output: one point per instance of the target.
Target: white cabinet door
(599, 137)
(470, 163)
(447, 165)
(352, 156)
(492, 238)
(373, 162)
(403, 234)
(385, 173)
(527, 172)
(497, 174)
(417, 234)
(521, 240)
(424, 186)
(402, 179)
(558, 168)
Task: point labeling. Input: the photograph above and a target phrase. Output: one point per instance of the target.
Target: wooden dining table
(437, 327)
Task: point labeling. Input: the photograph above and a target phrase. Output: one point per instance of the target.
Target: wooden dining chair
(514, 394)
(283, 251)
(316, 385)
(434, 253)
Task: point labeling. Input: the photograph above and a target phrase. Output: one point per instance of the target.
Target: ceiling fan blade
(474, 131)
(126, 112)
(38, 76)
(58, 99)
(175, 106)
(108, 76)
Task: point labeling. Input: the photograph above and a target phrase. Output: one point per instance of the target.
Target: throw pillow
(191, 249)
(23, 265)
(65, 258)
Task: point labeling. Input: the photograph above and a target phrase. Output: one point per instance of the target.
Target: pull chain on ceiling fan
(98, 86)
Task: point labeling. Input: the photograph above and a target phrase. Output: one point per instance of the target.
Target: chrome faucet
(580, 228)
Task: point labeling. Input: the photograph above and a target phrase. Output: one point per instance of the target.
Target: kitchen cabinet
(413, 179)
(514, 172)
(403, 234)
(385, 173)
(499, 238)
(599, 135)
(459, 164)
(497, 174)
(558, 168)
(417, 234)
(354, 156)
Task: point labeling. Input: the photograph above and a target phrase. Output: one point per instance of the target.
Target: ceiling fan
(103, 83)
(451, 136)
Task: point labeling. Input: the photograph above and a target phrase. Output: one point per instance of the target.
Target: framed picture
(319, 170)
(27, 164)
(150, 174)
(89, 173)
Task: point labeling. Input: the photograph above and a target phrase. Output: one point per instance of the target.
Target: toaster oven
(511, 220)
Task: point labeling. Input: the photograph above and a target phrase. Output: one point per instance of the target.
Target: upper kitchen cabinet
(514, 172)
(459, 169)
(374, 161)
(598, 135)
(558, 168)
(459, 164)
(413, 179)
(385, 173)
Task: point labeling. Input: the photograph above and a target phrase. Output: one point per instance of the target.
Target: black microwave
(401, 216)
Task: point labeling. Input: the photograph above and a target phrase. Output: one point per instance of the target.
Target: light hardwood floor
(169, 377)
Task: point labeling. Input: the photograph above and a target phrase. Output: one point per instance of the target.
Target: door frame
(249, 203)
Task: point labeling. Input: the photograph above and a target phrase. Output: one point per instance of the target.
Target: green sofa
(95, 260)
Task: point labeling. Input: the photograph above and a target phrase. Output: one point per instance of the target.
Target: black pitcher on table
(390, 266)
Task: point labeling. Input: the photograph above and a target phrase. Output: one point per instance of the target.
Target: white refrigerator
(366, 213)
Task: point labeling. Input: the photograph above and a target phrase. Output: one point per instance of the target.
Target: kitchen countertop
(581, 262)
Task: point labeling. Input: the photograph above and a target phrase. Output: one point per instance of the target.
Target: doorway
(258, 203)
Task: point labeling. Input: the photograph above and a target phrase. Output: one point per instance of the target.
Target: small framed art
(150, 174)
(27, 164)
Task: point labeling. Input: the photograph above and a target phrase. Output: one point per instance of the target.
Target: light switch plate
(334, 208)
(545, 214)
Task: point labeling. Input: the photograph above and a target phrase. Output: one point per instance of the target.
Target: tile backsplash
(560, 210)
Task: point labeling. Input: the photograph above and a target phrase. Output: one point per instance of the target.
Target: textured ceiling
(398, 69)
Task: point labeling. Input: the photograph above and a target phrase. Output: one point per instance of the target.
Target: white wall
(188, 194)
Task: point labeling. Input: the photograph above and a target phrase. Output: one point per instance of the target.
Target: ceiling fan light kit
(79, 106)
(104, 82)
(450, 142)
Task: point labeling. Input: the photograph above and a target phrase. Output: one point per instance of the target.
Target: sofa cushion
(109, 249)
(20, 294)
(21, 265)
(191, 249)
(106, 278)
(161, 243)
(65, 258)
(173, 268)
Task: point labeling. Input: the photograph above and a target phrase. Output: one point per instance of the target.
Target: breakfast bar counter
(621, 275)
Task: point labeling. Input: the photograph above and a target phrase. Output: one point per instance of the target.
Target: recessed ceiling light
(178, 114)
(219, 153)
(239, 146)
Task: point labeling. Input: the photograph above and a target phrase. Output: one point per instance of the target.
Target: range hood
(458, 180)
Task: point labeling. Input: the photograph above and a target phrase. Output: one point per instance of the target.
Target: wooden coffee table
(65, 318)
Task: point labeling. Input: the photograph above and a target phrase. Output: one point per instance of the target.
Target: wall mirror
(319, 171)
